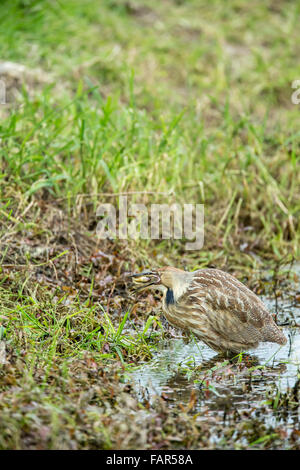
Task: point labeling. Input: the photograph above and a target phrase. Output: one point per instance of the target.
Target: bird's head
(161, 278)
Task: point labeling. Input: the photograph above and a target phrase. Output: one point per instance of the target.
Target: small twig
(125, 193)
(27, 266)
(275, 283)
(109, 297)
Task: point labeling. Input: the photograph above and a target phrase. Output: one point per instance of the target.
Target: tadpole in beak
(145, 279)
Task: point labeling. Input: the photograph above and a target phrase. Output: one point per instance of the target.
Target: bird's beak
(145, 279)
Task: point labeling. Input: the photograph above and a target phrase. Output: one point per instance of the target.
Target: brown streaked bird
(215, 306)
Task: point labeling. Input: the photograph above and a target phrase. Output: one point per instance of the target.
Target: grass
(175, 101)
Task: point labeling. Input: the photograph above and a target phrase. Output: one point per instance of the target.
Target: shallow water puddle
(182, 368)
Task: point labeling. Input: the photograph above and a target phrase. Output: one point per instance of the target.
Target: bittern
(215, 306)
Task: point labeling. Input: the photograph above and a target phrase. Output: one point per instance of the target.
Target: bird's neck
(180, 283)
(170, 297)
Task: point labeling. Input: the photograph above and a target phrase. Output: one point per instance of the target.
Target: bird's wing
(233, 311)
(223, 292)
